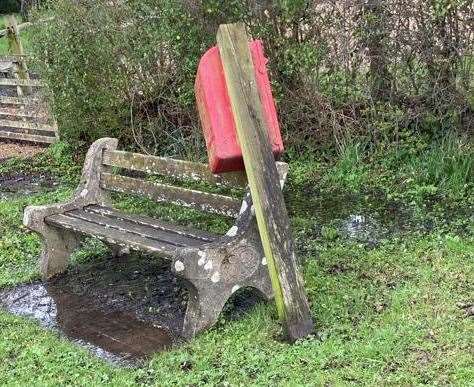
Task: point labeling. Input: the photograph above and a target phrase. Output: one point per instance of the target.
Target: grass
(410, 171)
(384, 313)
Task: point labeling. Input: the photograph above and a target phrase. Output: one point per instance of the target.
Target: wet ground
(21, 184)
(369, 218)
(122, 309)
(115, 336)
(125, 309)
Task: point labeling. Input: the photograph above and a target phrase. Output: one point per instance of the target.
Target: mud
(121, 309)
(115, 336)
(26, 184)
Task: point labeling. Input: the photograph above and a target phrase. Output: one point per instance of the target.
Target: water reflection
(114, 335)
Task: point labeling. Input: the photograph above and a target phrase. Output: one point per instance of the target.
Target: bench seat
(136, 232)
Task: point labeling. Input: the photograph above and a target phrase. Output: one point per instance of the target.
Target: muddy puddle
(112, 335)
(121, 309)
(26, 184)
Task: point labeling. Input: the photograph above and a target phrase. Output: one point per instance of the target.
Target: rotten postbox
(215, 110)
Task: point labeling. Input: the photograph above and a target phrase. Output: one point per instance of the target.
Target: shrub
(368, 70)
(121, 71)
(9, 6)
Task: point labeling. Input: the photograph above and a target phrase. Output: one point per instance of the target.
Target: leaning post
(270, 209)
(16, 48)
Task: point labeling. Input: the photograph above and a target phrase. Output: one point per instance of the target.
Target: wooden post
(16, 48)
(272, 216)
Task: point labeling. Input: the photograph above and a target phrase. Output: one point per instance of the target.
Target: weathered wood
(179, 169)
(27, 137)
(114, 236)
(24, 25)
(213, 203)
(20, 113)
(4, 32)
(153, 223)
(17, 100)
(12, 58)
(272, 217)
(20, 82)
(16, 48)
(166, 236)
(33, 126)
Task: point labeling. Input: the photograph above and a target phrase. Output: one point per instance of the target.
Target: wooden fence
(23, 116)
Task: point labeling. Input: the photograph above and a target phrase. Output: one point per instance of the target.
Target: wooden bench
(211, 266)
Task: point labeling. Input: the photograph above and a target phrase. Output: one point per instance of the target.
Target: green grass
(411, 171)
(384, 314)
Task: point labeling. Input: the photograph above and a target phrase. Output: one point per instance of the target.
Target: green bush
(339, 69)
(9, 6)
(123, 71)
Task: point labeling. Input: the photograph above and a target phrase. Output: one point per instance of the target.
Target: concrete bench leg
(212, 274)
(203, 311)
(58, 245)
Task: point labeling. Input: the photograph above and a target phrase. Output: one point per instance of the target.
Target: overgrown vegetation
(377, 72)
(385, 302)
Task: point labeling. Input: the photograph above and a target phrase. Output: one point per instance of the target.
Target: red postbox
(215, 110)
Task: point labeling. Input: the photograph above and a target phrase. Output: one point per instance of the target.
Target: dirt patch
(12, 149)
(26, 184)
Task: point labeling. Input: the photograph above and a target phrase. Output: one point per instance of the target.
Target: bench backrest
(165, 192)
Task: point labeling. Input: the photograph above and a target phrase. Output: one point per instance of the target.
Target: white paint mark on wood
(179, 266)
(216, 277)
(233, 231)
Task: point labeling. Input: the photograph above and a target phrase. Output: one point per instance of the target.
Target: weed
(349, 172)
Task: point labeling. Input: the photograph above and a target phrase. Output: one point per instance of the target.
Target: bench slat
(33, 126)
(157, 224)
(27, 137)
(20, 82)
(135, 242)
(170, 237)
(213, 203)
(179, 169)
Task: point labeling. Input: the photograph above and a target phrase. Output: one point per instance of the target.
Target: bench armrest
(87, 192)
